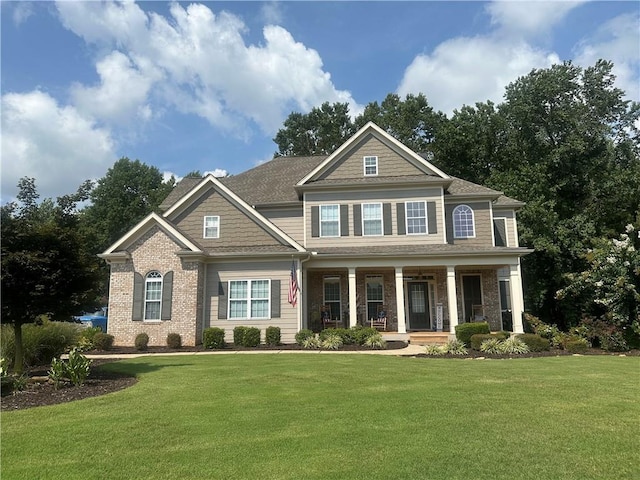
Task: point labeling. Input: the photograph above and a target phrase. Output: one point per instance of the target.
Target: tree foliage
(128, 192)
(46, 267)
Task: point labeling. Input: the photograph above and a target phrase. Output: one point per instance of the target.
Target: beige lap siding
(255, 270)
(155, 251)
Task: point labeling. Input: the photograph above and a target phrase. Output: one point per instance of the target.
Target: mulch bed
(101, 382)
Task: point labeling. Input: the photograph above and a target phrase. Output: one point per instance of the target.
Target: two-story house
(373, 226)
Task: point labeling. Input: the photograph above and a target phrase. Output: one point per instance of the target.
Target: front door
(418, 306)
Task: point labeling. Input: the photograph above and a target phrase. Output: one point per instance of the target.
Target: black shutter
(500, 232)
(344, 220)
(431, 217)
(315, 221)
(275, 298)
(223, 291)
(386, 218)
(167, 294)
(138, 297)
(357, 220)
(401, 219)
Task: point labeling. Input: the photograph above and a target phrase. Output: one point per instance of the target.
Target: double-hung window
(332, 296)
(370, 166)
(249, 299)
(416, 217)
(211, 226)
(463, 223)
(152, 296)
(372, 219)
(329, 220)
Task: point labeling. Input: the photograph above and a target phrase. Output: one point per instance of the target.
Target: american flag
(293, 285)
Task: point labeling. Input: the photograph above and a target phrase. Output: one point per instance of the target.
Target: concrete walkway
(408, 350)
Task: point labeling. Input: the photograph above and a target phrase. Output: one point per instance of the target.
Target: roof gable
(212, 183)
(372, 135)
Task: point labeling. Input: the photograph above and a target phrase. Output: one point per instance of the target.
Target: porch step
(428, 338)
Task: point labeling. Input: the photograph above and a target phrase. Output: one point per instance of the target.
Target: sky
(205, 86)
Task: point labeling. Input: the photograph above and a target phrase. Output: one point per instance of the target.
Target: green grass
(310, 416)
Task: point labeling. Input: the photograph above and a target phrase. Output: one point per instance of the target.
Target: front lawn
(310, 416)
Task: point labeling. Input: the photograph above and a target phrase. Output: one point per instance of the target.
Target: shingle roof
(274, 182)
(416, 250)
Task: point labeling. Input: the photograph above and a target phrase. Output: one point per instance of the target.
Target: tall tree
(127, 193)
(319, 132)
(412, 120)
(46, 268)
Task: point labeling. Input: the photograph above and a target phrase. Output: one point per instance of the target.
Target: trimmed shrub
(361, 334)
(141, 342)
(251, 337)
(302, 335)
(478, 339)
(272, 336)
(375, 341)
(103, 341)
(455, 347)
(535, 342)
(465, 331)
(503, 334)
(310, 342)
(86, 340)
(213, 337)
(174, 340)
(332, 341)
(238, 335)
(576, 345)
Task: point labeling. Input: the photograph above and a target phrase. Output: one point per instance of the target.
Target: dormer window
(370, 166)
(211, 226)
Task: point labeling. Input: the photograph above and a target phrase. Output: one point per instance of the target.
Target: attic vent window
(370, 166)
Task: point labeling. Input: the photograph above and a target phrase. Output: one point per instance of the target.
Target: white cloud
(54, 144)
(529, 18)
(466, 70)
(203, 63)
(217, 172)
(21, 12)
(271, 13)
(617, 40)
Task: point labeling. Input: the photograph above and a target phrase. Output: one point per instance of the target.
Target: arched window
(152, 296)
(463, 223)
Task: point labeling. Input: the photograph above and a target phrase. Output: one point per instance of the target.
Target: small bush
(479, 338)
(614, 342)
(213, 337)
(57, 372)
(333, 341)
(40, 343)
(103, 341)
(86, 340)
(361, 334)
(141, 342)
(310, 342)
(174, 340)
(455, 347)
(251, 337)
(345, 334)
(513, 345)
(302, 335)
(434, 350)
(75, 369)
(491, 346)
(465, 331)
(272, 336)
(238, 335)
(576, 345)
(535, 342)
(375, 341)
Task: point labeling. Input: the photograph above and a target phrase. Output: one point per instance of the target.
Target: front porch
(415, 299)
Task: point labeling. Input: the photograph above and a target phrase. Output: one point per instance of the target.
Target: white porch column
(517, 298)
(452, 300)
(302, 298)
(353, 304)
(402, 322)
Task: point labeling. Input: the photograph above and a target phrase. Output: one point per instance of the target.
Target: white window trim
(381, 220)
(337, 207)
(205, 226)
(248, 299)
(473, 222)
(364, 165)
(406, 217)
(147, 279)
